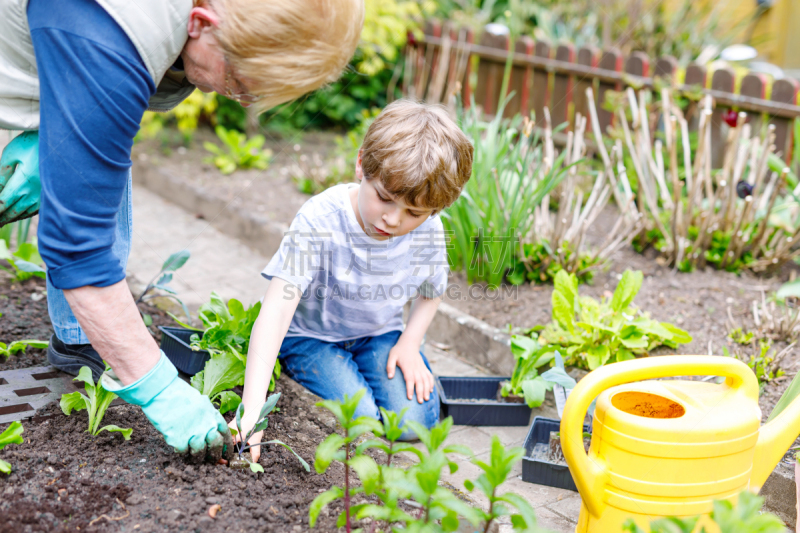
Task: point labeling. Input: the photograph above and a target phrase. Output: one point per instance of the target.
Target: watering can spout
(774, 439)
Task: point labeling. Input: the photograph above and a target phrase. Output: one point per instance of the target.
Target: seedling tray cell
(24, 391)
(537, 444)
(473, 402)
(175, 342)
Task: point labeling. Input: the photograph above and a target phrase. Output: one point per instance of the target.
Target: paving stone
(568, 508)
(549, 520)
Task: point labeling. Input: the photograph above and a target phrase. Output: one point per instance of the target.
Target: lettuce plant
(529, 356)
(227, 339)
(96, 401)
(261, 424)
(19, 346)
(12, 435)
(594, 333)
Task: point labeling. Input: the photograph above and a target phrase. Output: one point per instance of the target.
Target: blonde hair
(418, 153)
(288, 48)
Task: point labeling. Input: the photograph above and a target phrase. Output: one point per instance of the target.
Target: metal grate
(24, 391)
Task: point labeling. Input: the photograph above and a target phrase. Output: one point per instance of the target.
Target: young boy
(354, 255)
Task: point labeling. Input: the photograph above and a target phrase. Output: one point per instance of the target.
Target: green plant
(744, 517)
(511, 178)
(227, 339)
(96, 401)
(763, 360)
(11, 435)
(538, 262)
(19, 346)
(594, 333)
(529, 356)
(238, 151)
(260, 425)
(25, 260)
(160, 282)
(495, 473)
(185, 117)
(338, 448)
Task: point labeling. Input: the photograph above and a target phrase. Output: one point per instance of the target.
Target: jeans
(332, 369)
(64, 322)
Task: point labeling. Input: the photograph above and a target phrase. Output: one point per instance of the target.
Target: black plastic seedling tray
(175, 344)
(544, 472)
(472, 402)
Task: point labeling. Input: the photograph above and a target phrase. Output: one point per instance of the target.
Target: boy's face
(383, 215)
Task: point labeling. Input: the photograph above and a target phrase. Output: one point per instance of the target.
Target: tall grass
(513, 171)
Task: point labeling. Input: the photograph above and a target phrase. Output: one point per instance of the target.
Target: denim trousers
(332, 369)
(64, 322)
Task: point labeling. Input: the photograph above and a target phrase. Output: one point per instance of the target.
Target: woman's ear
(202, 19)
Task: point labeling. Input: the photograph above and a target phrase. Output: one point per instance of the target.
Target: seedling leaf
(126, 433)
(302, 461)
(321, 501)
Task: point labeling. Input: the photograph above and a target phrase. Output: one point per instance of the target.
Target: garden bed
(63, 479)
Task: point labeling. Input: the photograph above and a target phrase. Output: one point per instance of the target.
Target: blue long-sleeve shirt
(94, 90)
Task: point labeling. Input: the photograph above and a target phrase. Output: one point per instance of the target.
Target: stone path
(223, 264)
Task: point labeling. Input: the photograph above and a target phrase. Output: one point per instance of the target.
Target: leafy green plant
(594, 333)
(338, 448)
(227, 339)
(539, 263)
(19, 346)
(96, 401)
(11, 435)
(495, 473)
(25, 260)
(745, 516)
(238, 151)
(260, 425)
(159, 285)
(529, 356)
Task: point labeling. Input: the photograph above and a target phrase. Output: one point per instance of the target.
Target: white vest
(156, 27)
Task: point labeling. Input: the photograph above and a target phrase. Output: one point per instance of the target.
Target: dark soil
(23, 315)
(64, 479)
(160, 489)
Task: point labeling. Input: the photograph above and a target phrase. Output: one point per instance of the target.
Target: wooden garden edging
(543, 75)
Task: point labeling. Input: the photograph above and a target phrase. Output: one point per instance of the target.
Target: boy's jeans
(64, 322)
(332, 369)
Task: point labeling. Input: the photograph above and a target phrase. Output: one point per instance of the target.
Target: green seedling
(745, 516)
(95, 402)
(238, 151)
(338, 448)
(19, 346)
(227, 339)
(25, 260)
(539, 263)
(495, 473)
(261, 424)
(763, 361)
(594, 333)
(159, 285)
(12, 435)
(529, 356)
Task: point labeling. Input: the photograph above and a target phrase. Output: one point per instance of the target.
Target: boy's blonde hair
(419, 154)
(290, 47)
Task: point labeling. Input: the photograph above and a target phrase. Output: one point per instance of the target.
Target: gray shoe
(70, 358)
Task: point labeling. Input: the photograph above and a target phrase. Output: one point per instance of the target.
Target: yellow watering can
(669, 448)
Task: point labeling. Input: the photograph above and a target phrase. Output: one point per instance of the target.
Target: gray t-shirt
(353, 285)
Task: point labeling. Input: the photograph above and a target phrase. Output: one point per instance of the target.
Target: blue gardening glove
(20, 187)
(185, 417)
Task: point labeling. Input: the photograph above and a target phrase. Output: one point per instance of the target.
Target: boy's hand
(247, 424)
(416, 374)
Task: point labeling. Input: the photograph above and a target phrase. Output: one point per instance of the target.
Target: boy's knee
(367, 407)
(425, 414)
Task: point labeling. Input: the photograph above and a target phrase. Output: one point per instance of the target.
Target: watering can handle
(591, 474)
